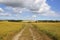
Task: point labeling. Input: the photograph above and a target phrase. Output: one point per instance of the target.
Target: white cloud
(34, 16)
(5, 14)
(16, 10)
(8, 8)
(33, 5)
(1, 10)
(44, 8)
(37, 6)
(19, 10)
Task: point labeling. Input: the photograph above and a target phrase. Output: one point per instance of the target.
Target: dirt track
(30, 33)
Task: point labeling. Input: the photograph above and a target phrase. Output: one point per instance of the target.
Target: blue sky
(55, 4)
(40, 10)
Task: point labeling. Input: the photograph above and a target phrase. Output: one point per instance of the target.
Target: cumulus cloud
(35, 6)
(34, 16)
(5, 14)
(1, 10)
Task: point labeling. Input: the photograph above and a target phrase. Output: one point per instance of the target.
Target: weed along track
(30, 33)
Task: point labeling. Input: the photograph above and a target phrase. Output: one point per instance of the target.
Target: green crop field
(9, 29)
(52, 29)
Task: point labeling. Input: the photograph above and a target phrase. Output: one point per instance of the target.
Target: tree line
(47, 21)
(31, 21)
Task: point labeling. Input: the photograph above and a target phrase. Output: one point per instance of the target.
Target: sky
(29, 9)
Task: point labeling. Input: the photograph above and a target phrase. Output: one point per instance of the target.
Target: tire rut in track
(30, 33)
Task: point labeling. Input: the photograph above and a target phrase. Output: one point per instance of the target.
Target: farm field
(51, 29)
(9, 29)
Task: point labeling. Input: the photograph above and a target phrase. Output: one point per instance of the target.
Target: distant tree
(15, 20)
